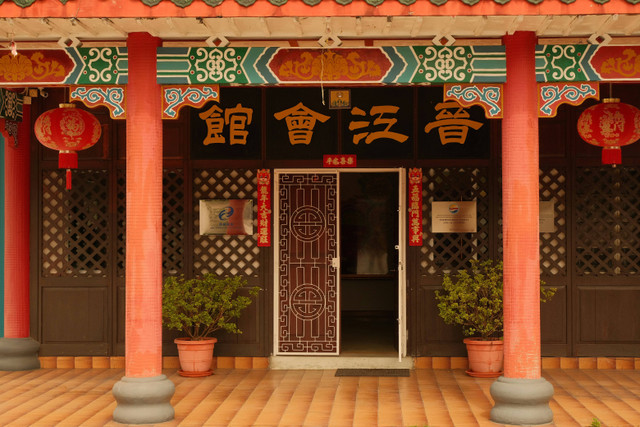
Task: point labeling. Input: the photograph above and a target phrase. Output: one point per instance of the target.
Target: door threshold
(339, 362)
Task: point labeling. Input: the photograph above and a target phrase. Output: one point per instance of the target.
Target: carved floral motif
(19, 68)
(626, 66)
(330, 66)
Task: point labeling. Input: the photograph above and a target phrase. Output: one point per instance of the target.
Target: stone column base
(521, 401)
(19, 354)
(143, 400)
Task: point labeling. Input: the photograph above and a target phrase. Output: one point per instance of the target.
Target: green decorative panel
(560, 63)
(204, 65)
(459, 64)
(106, 65)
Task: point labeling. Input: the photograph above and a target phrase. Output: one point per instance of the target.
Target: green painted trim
(2, 239)
(405, 65)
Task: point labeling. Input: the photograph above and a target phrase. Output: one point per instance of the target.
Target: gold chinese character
(300, 122)
(215, 123)
(238, 118)
(378, 111)
(453, 126)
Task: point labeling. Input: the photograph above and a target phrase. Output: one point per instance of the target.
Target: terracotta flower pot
(195, 356)
(485, 357)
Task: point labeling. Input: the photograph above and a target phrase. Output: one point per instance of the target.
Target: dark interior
(369, 259)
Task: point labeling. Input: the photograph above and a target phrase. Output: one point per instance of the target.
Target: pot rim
(189, 341)
(481, 341)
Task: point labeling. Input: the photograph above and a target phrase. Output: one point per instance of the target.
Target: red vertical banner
(415, 207)
(264, 207)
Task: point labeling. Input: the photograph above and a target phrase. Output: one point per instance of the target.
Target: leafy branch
(206, 304)
(474, 299)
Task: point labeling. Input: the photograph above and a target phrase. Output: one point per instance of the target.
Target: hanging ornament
(67, 129)
(610, 125)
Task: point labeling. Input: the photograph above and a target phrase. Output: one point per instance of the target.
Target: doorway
(369, 263)
(340, 280)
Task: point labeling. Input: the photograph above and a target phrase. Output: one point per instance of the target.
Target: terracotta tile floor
(75, 397)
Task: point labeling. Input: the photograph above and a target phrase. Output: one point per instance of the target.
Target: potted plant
(474, 301)
(199, 307)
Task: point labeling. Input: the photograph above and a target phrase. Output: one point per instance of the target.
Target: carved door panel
(307, 263)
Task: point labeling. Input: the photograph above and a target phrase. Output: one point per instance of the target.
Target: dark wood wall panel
(434, 337)
(553, 321)
(605, 315)
(75, 317)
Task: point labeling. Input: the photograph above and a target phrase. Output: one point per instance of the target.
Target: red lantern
(67, 129)
(610, 125)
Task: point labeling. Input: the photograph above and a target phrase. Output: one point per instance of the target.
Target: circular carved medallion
(307, 223)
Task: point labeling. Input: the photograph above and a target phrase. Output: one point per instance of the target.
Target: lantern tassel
(611, 156)
(68, 160)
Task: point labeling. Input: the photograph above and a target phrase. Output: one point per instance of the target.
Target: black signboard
(299, 126)
(230, 129)
(379, 124)
(446, 130)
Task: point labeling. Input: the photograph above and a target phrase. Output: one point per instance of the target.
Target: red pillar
(521, 396)
(17, 350)
(143, 395)
(16, 231)
(520, 211)
(144, 211)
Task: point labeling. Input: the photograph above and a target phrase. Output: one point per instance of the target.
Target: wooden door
(307, 263)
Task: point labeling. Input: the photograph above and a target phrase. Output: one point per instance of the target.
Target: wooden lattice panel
(225, 255)
(75, 224)
(553, 246)
(606, 219)
(447, 252)
(173, 220)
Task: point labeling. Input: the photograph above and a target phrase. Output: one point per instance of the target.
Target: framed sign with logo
(453, 217)
(226, 217)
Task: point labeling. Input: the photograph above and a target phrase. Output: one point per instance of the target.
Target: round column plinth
(520, 401)
(143, 400)
(19, 354)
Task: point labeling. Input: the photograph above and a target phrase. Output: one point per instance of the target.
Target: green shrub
(198, 307)
(474, 299)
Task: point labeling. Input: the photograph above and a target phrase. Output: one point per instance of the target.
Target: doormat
(373, 372)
